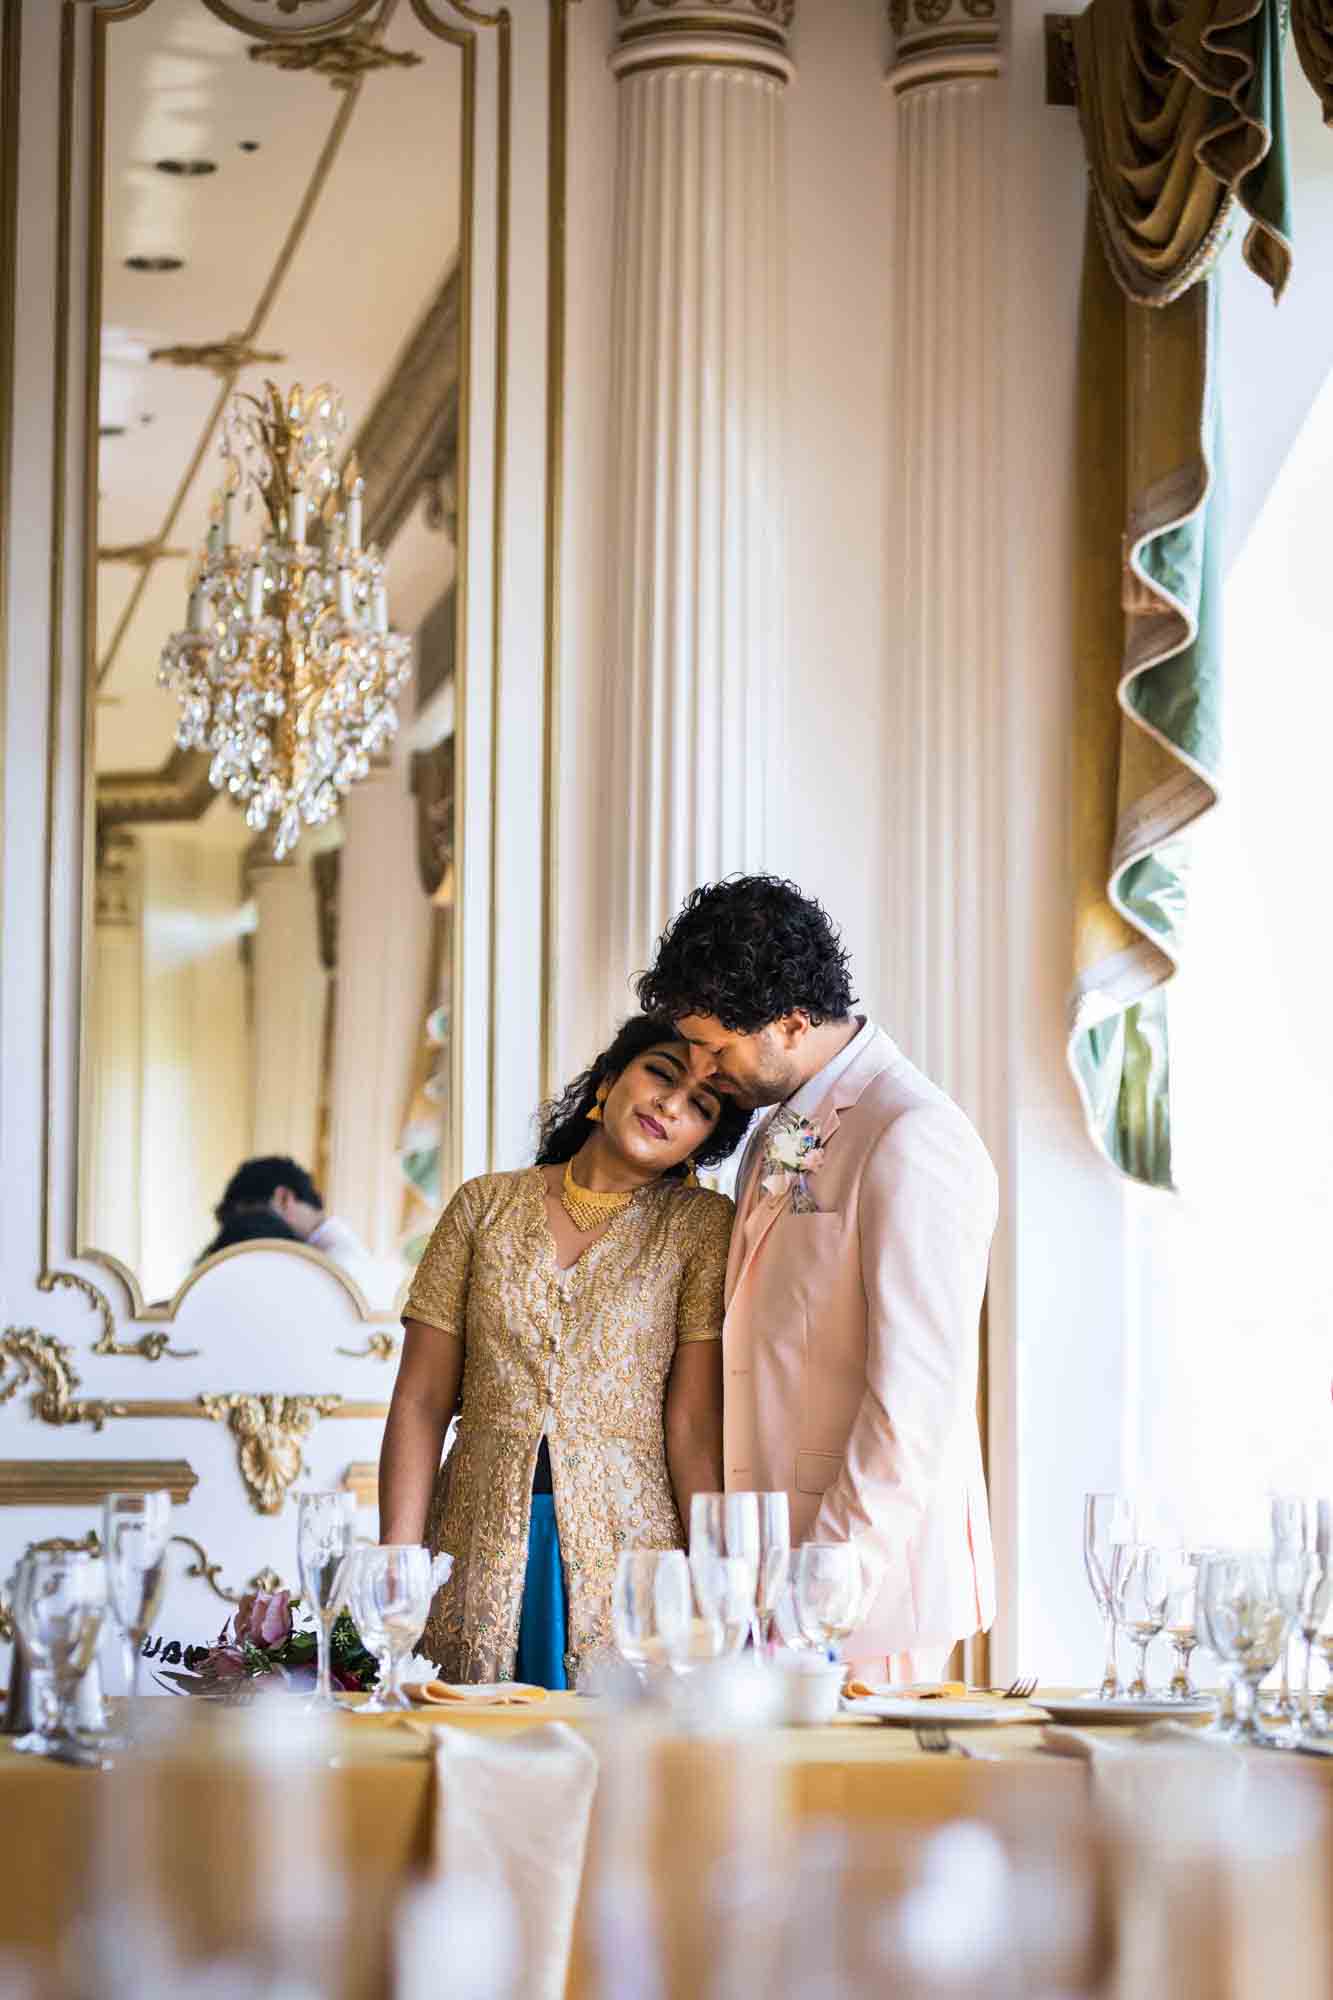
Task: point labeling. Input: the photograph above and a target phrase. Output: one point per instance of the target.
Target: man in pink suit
(866, 1204)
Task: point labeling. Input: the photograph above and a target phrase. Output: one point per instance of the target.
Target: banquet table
(855, 1772)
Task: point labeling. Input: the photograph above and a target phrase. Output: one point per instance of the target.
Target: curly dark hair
(747, 951)
(563, 1124)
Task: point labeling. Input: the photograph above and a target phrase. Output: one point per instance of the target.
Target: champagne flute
(325, 1529)
(774, 1563)
(828, 1592)
(1108, 1520)
(60, 1601)
(651, 1609)
(727, 1524)
(1181, 1622)
(1288, 1515)
(1139, 1590)
(136, 1528)
(724, 1593)
(1316, 1594)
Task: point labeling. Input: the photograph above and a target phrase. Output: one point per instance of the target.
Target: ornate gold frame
(465, 39)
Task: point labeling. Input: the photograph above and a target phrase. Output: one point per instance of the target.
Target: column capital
(704, 34)
(946, 41)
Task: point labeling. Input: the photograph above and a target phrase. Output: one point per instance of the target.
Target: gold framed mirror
(277, 193)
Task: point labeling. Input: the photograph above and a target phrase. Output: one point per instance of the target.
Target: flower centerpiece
(272, 1635)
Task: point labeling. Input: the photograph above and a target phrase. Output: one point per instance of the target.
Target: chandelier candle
(288, 671)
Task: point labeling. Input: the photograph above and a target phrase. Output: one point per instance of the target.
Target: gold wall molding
(289, 23)
(221, 357)
(148, 1347)
(407, 445)
(342, 60)
(269, 1431)
(85, 1482)
(938, 42)
(211, 1573)
(362, 1478)
(378, 1347)
(177, 790)
(140, 555)
(747, 35)
(268, 1427)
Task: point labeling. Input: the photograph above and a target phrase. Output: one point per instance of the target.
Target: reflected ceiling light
(287, 670)
(189, 169)
(154, 263)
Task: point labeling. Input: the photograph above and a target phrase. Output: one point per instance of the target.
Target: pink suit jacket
(850, 1351)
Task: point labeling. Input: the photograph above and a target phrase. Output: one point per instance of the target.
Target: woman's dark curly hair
(748, 951)
(564, 1125)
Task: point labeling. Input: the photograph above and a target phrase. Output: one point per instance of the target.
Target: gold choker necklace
(586, 1208)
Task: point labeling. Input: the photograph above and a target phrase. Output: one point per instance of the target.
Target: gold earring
(595, 1114)
(692, 1177)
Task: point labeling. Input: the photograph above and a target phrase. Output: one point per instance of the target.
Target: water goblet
(1181, 1621)
(1108, 1521)
(136, 1528)
(828, 1592)
(1244, 1607)
(1139, 1586)
(391, 1589)
(60, 1600)
(325, 1530)
(652, 1609)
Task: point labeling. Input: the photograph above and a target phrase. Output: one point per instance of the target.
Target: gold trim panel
(632, 65)
(148, 1347)
(85, 1482)
(362, 1478)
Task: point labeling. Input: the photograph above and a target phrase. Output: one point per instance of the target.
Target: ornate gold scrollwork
(269, 1431)
(29, 1359)
(211, 1573)
(378, 1347)
(221, 357)
(148, 1347)
(342, 59)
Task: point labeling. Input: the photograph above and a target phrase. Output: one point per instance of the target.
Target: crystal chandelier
(287, 670)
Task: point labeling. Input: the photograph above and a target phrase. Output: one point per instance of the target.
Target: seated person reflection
(276, 1185)
(570, 1314)
(247, 1225)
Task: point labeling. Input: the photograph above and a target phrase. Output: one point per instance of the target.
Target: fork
(937, 1741)
(1019, 1690)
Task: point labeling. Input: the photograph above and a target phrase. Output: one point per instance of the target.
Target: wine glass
(1289, 1522)
(828, 1592)
(727, 1524)
(324, 1534)
(1182, 1590)
(390, 1590)
(774, 1562)
(724, 1594)
(136, 1528)
(59, 1604)
(1316, 1595)
(651, 1609)
(1139, 1587)
(1243, 1600)
(1108, 1520)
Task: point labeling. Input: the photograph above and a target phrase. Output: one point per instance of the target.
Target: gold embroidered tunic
(580, 1357)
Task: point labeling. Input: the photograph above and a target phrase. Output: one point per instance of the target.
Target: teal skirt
(543, 1625)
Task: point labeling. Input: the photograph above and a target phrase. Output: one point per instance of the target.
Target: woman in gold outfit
(569, 1315)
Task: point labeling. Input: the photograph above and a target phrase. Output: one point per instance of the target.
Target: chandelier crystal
(287, 670)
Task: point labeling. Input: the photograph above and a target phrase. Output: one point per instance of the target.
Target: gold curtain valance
(1175, 102)
(1312, 28)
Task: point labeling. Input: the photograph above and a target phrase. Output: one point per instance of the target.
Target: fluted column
(949, 778)
(948, 753)
(697, 621)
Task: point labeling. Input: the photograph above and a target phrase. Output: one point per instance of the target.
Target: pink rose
(264, 1617)
(227, 1663)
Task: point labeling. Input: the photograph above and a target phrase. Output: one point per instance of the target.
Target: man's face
(756, 1069)
(298, 1215)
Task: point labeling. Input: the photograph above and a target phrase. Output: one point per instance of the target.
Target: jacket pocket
(816, 1470)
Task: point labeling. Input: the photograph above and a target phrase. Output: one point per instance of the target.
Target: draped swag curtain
(1182, 115)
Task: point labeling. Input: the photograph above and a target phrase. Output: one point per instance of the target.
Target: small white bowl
(811, 1688)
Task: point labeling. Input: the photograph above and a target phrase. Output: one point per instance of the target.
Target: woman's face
(657, 1112)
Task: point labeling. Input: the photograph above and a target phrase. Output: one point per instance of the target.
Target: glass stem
(1305, 1680)
(1284, 1691)
(1111, 1677)
(1140, 1686)
(1245, 1698)
(323, 1654)
(133, 1663)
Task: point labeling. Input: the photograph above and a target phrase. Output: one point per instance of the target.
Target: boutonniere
(792, 1152)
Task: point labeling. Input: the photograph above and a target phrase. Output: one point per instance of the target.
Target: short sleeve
(702, 1302)
(439, 1289)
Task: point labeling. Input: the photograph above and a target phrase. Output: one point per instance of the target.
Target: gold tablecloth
(856, 1772)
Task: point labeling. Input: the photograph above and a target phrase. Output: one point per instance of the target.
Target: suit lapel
(758, 1212)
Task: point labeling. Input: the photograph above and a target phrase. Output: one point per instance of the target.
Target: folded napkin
(858, 1690)
(513, 1816)
(490, 1694)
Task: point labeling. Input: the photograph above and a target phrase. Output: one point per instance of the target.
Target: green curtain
(1183, 121)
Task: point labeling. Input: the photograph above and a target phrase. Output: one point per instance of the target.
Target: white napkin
(515, 1813)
